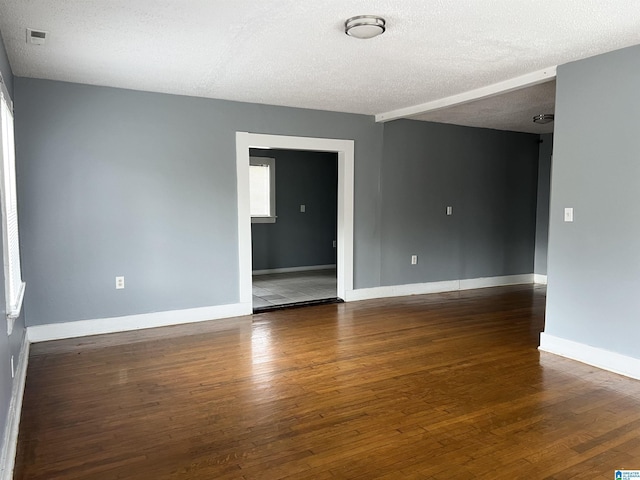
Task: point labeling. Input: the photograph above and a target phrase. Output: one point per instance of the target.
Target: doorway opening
(344, 238)
(294, 204)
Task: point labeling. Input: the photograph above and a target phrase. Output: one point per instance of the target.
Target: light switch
(568, 214)
(303, 208)
(449, 210)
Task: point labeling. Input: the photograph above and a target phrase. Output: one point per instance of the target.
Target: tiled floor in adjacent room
(284, 288)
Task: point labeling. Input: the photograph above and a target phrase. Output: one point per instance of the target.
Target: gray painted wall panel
(296, 238)
(594, 265)
(542, 213)
(146, 184)
(487, 176)
(415, 193)
(117, 182)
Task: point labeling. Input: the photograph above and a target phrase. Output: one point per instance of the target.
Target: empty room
(293, 240)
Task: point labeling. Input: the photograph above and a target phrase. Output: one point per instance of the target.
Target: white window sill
(263, 219)
(14, 311)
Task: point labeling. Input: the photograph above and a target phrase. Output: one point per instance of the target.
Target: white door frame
(345, 151)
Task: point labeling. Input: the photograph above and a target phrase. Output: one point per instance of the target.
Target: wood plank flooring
(446, 386)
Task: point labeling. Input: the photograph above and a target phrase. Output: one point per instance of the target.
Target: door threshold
(307, 303)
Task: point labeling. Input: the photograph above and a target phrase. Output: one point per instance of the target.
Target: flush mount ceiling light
(364, 26)
(544, 118)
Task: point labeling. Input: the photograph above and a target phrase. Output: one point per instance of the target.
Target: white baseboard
(83, 328)
(293, 269)
(436, 287)
(401, 290)
(10, 438)
(597, 357)
(484, 282)
(541, 279)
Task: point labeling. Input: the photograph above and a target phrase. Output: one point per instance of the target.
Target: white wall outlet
(13, 370)
(119, 283)
(303, 208)
(449, 210)
(568, 214)
(414, 259)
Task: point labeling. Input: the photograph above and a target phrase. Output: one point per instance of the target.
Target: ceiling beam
(528, 80)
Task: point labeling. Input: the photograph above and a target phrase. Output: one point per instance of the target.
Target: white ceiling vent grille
(36, 37)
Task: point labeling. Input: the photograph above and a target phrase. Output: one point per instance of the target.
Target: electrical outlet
(568, 214)
(303, 208)
(449, 210)
(334, 244)
(119, 283)
(414, 259)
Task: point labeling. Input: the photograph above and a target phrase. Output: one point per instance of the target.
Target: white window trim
(13, 305)
(272, 189)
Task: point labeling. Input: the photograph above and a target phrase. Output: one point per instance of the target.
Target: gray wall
(9, 345)
(118, 182)
(542, 213)
(487, 176)
(594, 262)
(299, 239)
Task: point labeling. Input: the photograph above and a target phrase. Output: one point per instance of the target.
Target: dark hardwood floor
(446, 386)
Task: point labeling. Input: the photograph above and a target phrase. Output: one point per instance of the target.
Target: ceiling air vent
(36, 37)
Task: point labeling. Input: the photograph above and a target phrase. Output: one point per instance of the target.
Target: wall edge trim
(436, 287)
(540, 279)
(484, 282)
(10, 438)
(594, 356)
(98, 326)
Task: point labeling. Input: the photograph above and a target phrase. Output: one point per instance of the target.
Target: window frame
(271, 162)
(13, 283)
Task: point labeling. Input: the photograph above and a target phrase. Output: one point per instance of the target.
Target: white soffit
(510, 111)
(488, 91)
(296, 54)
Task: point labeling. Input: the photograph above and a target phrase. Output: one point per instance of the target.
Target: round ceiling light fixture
(544, 118)
(364, 26)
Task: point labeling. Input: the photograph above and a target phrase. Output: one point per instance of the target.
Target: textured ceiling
(295, 53)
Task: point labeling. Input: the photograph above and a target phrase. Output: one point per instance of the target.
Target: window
(14, 287)
(262, 189)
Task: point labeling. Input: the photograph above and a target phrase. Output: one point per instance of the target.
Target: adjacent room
(443, 195)
(294, 220)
